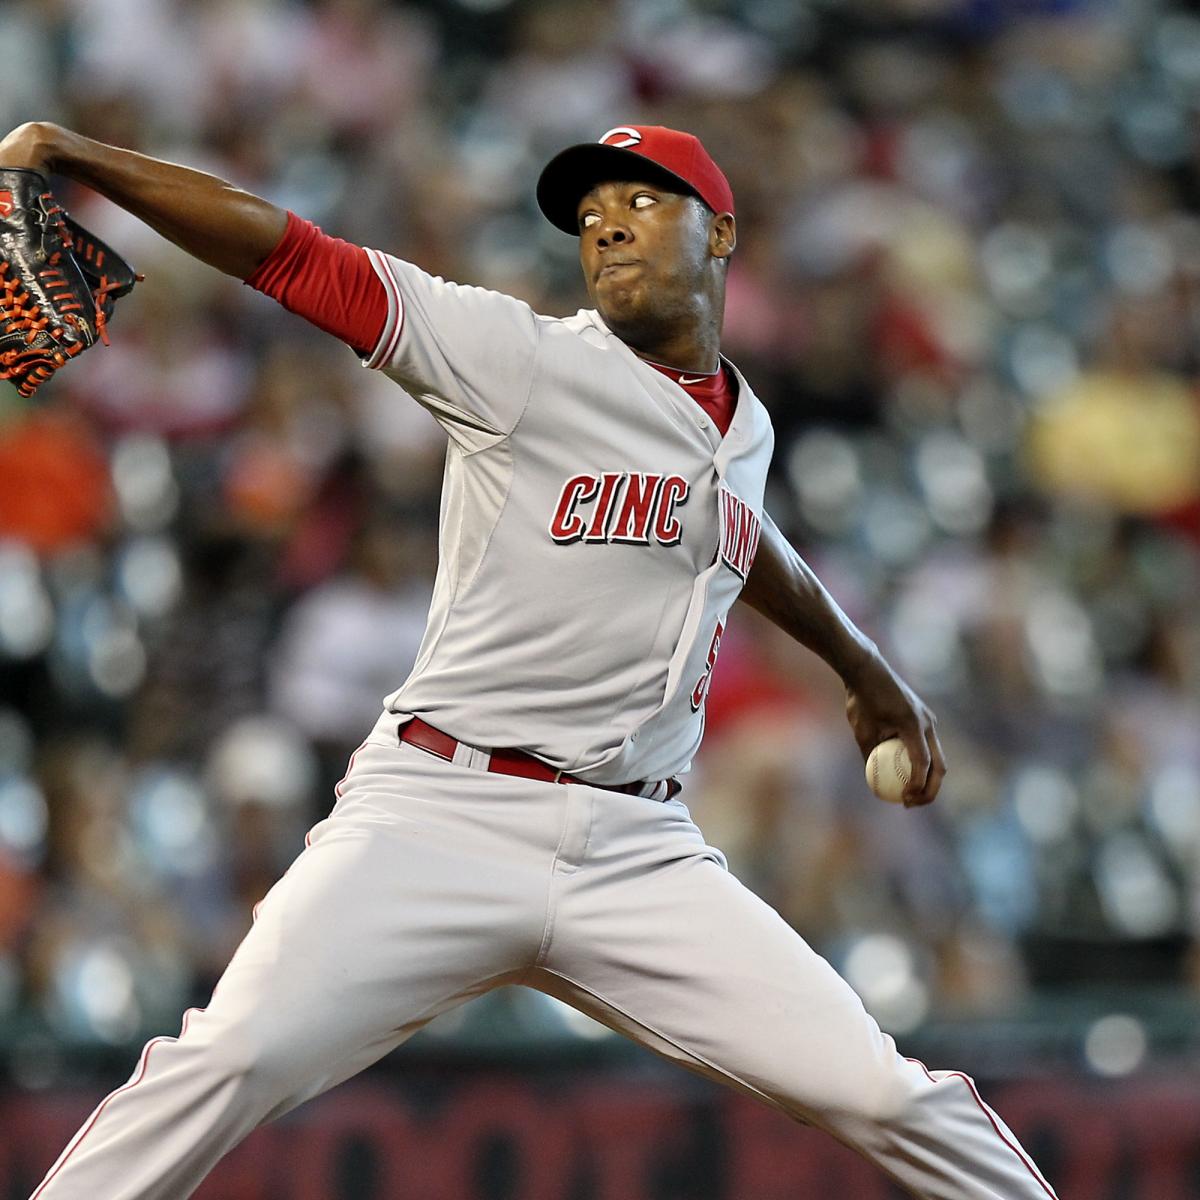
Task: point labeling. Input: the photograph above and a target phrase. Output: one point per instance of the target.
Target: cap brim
(573, 172)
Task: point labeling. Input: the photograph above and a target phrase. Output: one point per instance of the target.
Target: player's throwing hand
(880, 705)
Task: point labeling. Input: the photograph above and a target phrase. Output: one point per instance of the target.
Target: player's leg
(415, 894)
(654, 937)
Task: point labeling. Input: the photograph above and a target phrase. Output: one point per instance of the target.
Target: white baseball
(888, 770)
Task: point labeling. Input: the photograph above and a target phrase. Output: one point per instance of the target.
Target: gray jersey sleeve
(465, 353)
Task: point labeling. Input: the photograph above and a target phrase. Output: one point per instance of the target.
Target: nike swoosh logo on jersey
(683, 379)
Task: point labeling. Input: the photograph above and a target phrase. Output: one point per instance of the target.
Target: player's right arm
(220, 224)
(879, 704)
(465, 353)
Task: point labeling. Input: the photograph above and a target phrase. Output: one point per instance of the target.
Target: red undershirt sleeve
(327, 281)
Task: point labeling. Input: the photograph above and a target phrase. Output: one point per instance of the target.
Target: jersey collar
(747, 408)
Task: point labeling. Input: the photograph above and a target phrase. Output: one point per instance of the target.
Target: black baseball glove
(58, 283)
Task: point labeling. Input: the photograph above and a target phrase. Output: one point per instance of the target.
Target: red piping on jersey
(337, 791)
(379, 356)
(341, 783)
(392, 284)
(987, 1112)
(327, 281)
(136, 1078)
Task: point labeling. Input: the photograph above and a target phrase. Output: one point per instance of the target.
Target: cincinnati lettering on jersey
(740, 530)
(627, 507)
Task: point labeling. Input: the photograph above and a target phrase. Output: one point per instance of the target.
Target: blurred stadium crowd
(967, 287)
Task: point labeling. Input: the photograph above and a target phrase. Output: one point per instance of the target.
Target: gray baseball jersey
(596, 530)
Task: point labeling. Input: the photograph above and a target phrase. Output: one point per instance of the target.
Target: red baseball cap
(668, 157)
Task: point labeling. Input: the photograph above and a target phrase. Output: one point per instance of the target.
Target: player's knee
(890, 1103)
(874, 1098)
(248, 1055)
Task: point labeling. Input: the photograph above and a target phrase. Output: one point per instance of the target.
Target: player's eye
(644, 200)
(588, 220)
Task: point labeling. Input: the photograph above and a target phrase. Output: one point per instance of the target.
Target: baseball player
(513, 817)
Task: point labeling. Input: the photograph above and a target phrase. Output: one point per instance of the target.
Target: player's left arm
(879, 704)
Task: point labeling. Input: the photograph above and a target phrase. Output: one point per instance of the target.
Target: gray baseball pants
(432, 882)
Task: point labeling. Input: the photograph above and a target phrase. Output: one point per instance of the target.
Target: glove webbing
(89, 257)
(30, 369)
(17, 307)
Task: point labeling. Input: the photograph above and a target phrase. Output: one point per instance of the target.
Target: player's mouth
(610, 267)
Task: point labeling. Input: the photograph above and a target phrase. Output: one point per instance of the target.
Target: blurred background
(967, 287)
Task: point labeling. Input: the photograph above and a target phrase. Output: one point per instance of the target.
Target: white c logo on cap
(631, 137)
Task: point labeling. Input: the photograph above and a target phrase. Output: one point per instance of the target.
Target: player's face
(646, 255)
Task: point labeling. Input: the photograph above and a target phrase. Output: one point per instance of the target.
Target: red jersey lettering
(633, 517)
(598, 530)
(567, 525)
(667, 528)
(630, 508)
(740, 530)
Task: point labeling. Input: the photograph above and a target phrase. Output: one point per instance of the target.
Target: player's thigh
(377, 926)
(686, 959)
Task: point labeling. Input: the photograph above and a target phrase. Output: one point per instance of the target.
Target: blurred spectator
(208, 666)
(352, 640)
(54, 489)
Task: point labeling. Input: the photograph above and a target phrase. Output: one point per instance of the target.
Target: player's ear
(722, 235)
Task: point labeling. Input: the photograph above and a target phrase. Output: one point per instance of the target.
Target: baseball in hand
(888, 770)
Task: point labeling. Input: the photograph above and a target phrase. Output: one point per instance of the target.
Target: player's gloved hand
(58, 282)
(880, 705)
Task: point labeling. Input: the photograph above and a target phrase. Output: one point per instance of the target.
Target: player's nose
(613, 234)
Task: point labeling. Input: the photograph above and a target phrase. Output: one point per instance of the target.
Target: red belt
(512, 762)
